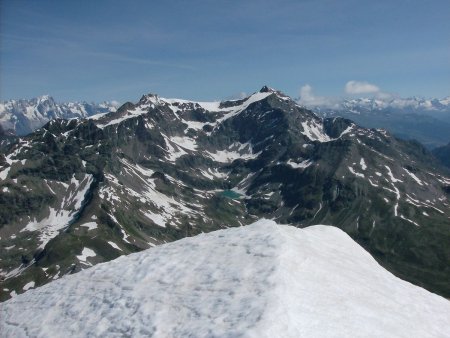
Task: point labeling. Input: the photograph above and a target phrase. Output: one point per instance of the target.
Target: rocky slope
(443, 154)
(163, 169)
(262, 280)
(24, 116)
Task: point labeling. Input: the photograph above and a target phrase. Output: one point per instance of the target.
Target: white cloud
(115, 103)
(242, 95)
(358, 88)
(236, 96)
(306, 93)
(361, 87)
(384, 96)
(308, 99)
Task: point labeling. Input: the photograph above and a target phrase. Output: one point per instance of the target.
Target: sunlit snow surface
(262, 280)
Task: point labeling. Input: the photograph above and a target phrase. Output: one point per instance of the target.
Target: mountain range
(24, 116)
(261, 280)
(78, 192)
(425, 120)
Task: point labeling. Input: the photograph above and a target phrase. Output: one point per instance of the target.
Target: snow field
(261, 280)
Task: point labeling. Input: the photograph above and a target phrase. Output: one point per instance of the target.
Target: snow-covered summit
(223, 110)
(212, 106)
(262, 280)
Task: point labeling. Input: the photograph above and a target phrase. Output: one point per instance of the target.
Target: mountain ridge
(427, 120)
(315, 281)
(163, 169)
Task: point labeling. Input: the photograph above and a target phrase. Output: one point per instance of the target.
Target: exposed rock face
(443, 154)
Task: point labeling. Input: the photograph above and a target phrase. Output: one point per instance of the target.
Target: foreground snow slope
(262, 280)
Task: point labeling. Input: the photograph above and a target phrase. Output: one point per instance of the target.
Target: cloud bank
(351, 88)
(361, 87)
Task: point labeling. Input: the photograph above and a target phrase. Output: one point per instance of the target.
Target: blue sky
(207, 50)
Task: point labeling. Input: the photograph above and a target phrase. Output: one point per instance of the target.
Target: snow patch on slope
(28, 286)
(302, 165)
(355, 173)
(314, 131)
(225, 156)
(128, 115)
(59, 218)
(362, 163)
(414, 177)
(85, 254)
(243, 151)
(90, 225)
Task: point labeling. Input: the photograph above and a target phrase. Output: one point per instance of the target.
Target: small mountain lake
(230, 194)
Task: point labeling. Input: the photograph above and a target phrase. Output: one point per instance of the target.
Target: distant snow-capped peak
(23, 116)
(378, 103)
(413, 102)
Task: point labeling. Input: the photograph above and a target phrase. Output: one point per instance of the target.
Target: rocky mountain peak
(149, 98)
(266, 89)
(45, 98)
